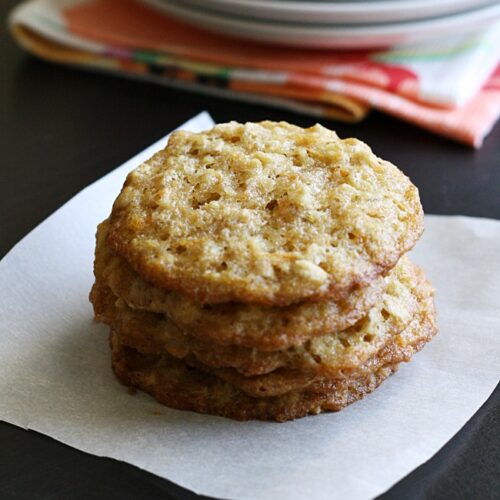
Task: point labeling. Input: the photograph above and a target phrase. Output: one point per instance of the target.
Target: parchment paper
(55, 374)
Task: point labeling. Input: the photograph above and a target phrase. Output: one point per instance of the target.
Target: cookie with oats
(173, 383)
(246, 325)
(328, 355)
(266, 213)
(395, 349)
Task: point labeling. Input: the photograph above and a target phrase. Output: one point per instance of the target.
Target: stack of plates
(335, 24)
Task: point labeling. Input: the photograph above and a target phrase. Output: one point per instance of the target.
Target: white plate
(333, 36)
(361, 11)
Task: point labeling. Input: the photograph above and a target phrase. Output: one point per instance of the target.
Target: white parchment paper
(55, 374)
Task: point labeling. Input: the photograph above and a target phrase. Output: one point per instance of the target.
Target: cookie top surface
(267, 213)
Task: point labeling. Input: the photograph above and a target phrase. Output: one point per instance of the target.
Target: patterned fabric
(451, 88)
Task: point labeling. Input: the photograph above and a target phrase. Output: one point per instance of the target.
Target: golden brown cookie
(154, 334)
(396, 349)
(266, 213)
(327, 355)
(176, 385)
(268, 328)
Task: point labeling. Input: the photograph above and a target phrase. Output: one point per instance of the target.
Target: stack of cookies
(257, 271)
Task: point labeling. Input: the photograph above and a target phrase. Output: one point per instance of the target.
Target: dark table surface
(61, 129)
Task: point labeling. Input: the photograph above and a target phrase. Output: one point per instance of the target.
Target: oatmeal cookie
(173, 383)
(246, 325)
(326, 355)
(266, 213)
(395, 349)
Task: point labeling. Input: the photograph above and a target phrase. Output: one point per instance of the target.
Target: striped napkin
(451, 88)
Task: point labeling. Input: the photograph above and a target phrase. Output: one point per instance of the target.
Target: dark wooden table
(61, 129)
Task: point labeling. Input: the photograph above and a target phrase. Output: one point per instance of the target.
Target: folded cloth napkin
(450, 87)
